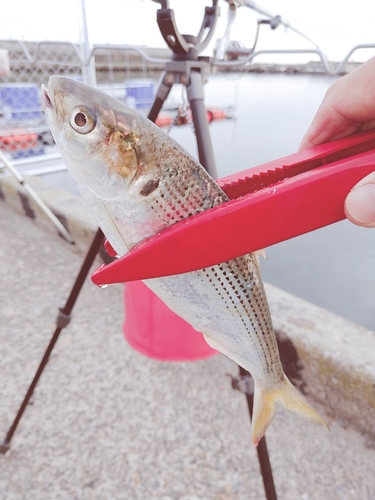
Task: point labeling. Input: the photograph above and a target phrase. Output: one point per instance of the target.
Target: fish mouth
(46, 100)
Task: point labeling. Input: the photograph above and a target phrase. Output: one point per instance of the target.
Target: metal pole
(88, 73)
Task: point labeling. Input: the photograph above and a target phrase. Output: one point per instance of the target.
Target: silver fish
(137, 181)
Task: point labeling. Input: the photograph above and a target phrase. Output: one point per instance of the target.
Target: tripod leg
(196, 98)
(161, 95)
(63, 319)
(206, 157)
(264, 461)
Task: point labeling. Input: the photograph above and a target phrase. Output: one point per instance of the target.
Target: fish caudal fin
(265, 407)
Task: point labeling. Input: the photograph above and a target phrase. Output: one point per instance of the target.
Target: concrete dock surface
(108, 423)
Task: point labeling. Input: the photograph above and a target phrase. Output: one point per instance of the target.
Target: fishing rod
(279, 20)
(248, 54)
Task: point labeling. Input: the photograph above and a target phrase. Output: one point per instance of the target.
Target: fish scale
(138, 181)
(189, 198)
(246, 314)
(254, 318)
(170, 194)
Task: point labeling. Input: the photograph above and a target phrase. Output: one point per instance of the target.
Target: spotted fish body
(137, 181)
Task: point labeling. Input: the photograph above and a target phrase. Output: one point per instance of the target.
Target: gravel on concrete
(107, 423)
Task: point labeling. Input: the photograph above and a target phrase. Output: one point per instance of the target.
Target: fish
(137, 181)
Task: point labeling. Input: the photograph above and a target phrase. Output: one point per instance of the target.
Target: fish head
(98, 144)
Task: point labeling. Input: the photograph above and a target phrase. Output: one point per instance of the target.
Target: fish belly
(227, 303)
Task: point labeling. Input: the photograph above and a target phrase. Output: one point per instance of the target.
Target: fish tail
(288, 397)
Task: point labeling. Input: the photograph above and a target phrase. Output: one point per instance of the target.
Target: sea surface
(333, 267)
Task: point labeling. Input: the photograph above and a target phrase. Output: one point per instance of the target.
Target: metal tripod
(188, 68)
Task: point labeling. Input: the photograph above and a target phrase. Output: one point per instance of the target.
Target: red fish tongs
(268, 204)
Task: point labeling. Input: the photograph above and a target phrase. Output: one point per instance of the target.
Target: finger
(327, 126)
(348, 107)
(360, 202)
(332, 130)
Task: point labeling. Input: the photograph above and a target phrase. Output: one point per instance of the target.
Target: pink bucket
(154, 330)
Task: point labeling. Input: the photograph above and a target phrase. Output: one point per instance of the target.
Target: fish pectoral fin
(288, 397)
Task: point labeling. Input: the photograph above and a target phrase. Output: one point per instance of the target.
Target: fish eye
(82, 120)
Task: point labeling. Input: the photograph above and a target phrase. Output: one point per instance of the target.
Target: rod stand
(182, 44)
(189, 70)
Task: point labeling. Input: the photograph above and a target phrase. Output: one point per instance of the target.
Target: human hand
(349, 107)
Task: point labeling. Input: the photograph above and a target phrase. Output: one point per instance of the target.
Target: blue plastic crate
(21, 101)
(141, 91)
(26, 152)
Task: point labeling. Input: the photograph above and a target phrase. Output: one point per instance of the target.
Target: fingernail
(360, 205)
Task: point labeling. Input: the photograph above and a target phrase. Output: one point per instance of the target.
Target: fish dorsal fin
(261, 253)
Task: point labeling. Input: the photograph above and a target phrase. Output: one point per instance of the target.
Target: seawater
(333, 267)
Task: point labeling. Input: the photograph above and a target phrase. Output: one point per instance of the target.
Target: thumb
(360, 202)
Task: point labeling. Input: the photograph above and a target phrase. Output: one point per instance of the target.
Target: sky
(336, 26)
